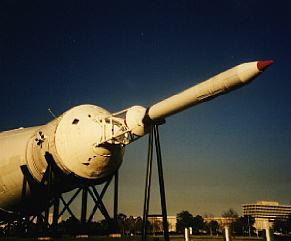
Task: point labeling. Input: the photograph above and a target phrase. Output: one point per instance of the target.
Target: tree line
(282, 226)
(129, 225)
(240, 226)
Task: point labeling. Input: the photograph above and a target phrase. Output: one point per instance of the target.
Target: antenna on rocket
(51, 112)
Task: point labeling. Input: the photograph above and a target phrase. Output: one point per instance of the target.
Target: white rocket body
(217, 85)
(72, 140)
(87, 143)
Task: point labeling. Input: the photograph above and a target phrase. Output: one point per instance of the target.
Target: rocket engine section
(77, 142)
(80, 144)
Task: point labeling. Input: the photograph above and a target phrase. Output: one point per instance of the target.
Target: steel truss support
(154, 132)
(85, 192)
(46, 187)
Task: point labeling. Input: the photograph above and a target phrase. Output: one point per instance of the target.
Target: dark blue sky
(115, 54)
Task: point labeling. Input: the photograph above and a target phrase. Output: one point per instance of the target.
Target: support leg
(97, 205)
(67, 205)
(115, 215)
(46, 219)
(162, 186)
(84, 205)
(147, 186)
(100, 204)
(56, 211)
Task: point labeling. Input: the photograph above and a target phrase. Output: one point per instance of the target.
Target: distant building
(157, 223)
(265, 213)
(222, 221)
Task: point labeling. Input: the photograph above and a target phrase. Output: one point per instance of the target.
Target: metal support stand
(56, 199)
(115, 207)
(56, 211)
(154, 131)
(84, 205)
(96, 197)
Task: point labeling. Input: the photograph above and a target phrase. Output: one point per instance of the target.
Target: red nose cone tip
(262, 65)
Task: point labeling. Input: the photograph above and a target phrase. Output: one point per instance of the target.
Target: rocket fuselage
(219, 84)
(71, 142)
(86, 143)
(13, 155)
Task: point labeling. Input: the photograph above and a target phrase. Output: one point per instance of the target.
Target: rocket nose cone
(262, 65)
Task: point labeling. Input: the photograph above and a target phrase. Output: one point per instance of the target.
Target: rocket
(86, 144)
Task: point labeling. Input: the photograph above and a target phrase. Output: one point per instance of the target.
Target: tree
(212, 227)
(230, 214)
(244, 225)
(138, 225)
(184, 220)
(198, 224)
(283, 225)
(130, 224)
